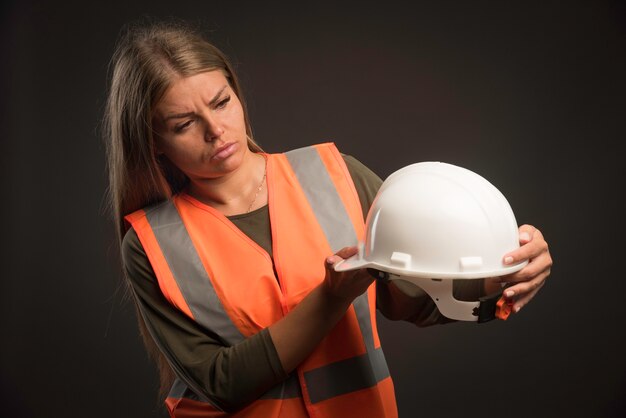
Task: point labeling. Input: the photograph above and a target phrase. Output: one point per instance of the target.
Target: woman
(229, 251)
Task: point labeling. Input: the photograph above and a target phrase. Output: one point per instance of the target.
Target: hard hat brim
(356, 263)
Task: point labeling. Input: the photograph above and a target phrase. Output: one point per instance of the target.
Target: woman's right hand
(346, 285)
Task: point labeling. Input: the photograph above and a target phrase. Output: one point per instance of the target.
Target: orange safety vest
(210, 270)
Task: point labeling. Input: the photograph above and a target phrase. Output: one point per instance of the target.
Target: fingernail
(509, 293)
(508, 260)
(517, 309)
(524, 236)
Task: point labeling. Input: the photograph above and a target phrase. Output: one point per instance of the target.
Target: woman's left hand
(524, 284)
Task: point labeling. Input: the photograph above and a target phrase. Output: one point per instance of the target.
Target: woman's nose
(214, 133)
(213, 130)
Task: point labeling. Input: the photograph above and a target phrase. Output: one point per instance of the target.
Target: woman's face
(199, 125)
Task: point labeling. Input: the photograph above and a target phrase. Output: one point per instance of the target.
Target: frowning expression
(200, 127)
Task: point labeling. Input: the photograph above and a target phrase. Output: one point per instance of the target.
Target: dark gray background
(531, 95)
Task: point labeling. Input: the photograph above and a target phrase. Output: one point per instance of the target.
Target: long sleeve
(230, 376)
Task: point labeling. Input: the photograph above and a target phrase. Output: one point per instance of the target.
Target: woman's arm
(198, 357)
(202, 361)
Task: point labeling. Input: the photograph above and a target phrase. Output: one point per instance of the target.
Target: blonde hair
(148, 57)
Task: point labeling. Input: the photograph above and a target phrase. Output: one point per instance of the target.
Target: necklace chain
(260, 186)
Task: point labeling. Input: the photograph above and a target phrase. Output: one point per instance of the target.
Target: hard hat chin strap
(440, 290)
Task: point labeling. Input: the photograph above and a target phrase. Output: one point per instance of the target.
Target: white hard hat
(432, 222)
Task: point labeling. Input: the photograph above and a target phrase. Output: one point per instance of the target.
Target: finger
(347, 252)
(528, 250)
(524, 300)
(520, 290)
(526, 233)
(537, 265)
(331, 260)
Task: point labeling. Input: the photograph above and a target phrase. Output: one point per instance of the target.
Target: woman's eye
(182, 126)
(222, 104)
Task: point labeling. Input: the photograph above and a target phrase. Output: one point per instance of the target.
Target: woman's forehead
(186, 92)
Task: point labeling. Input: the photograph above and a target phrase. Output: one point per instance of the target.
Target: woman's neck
(237, 192)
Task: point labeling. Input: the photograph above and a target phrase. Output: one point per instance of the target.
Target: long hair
(147, 58)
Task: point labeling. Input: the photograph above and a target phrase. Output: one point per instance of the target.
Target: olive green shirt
(232, 377)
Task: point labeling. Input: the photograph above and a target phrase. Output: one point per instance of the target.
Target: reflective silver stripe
(288, 389)
(357, 372)
(189, 273)
(362, 309)
(180, 390)
(346, 376)
(322, 195)
(354, 373)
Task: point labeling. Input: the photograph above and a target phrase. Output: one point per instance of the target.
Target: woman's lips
(225, 151)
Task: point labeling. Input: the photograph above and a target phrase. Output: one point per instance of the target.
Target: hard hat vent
(401, 260)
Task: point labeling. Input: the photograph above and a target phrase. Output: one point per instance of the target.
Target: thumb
(347, 252)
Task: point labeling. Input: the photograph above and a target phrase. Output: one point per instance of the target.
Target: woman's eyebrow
(213, 101)
(217, 96)
(177, 116)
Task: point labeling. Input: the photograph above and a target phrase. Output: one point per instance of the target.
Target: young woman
(229, 251)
